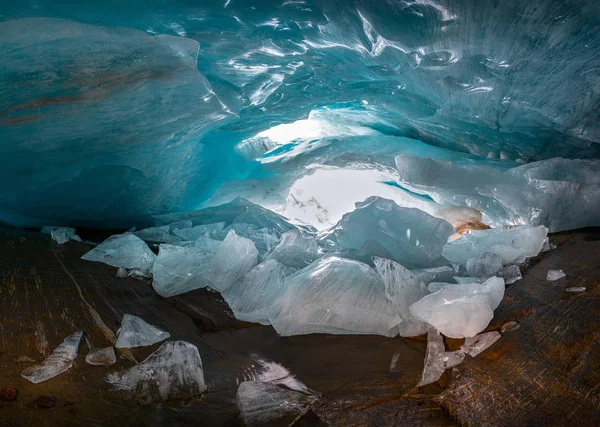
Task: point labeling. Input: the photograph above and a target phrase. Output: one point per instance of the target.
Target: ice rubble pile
(382, 269)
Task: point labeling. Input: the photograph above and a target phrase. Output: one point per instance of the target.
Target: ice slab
(263, 404)
(479, 343)
(194, 233)
(379, 227)
(160, 234)
(58, 362)
(460, 311)
(180, 269)
(485, 266)
(61, 235)
(337, 296)
(561, 194)
(510, 244)
(264, 239)
(295, 250)
(254, 297)
(123, 250)
(555, 275)
(101, 357)
(437, 359)
(174, 371)
(465, 280)
(402, 288)
(235, 256)
(435, 274)
(510, 274)
(135, 332)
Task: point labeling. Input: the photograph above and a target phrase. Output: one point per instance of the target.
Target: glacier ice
(402, 288)
(174, 371)
(435, 274)
(102, 357)
(382, 228)
(460, 311)
(194, 233)
(486, 266)
(265, 404)
(555, 275)
(254, 297)
(58, 362)
(510, 244)
(164, 233)
(61, 235)
(479, 343)
(437, 359)
(135, 332)
(123, 250)
(510, 274)
(295, 250)
(335, 295)
(235, 256)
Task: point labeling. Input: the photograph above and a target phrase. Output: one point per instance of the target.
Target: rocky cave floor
(547, 372)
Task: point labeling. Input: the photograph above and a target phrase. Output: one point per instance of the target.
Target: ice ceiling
(112, 112)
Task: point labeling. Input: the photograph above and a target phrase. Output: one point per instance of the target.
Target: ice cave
(300, 212)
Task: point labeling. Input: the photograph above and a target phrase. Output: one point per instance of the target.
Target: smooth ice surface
(163, 234)
(263, 404)
(61, 234)
(235, 256)
(460, 311)
(510, 244)
(402, 288)
(485, 266)
(135, 332)
(295, 250)
(555, 275)
(102, 357)
(123, 250)
(254, 297)
(174, 371)
(180, 269)
(194, 233)
(437, 359)
(338, 296)
(380, 227)
(58, 362)
(479, 343)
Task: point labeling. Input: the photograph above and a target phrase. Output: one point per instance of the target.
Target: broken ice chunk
(135, 332)
(380, 227)
(485, 266)
(122, 273)
(510, 274)
(174, 371)
(158, 234)
(460, 311)
(263, 404)
(555, 275)
(576, 289)
(402, 288)
(295, 250)
(122, 250)
(264, 239)
(467, 280)
(435, 274)
(101, 357)
(509, 244)
(510, 326)
(253, 298)
(61, 234)
(179, 269)
(436, 286)
(235, 256)
(207, 244)
(207, 230)
(58, 362)
(337, 296)
(477, 344)
(437, 360)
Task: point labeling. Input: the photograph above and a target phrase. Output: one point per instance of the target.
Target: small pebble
(576, 289)
(510, 326)
(45, 402)
(9, 394)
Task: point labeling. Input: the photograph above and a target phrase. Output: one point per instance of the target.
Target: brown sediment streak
(106, 331)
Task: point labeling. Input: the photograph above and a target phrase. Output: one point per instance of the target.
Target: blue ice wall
(112, 111)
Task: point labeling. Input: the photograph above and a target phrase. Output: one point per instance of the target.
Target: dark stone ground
(545, 373)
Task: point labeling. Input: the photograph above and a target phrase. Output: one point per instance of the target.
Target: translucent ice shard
(435, 274)
(264, 239)
(576, 289)
(165, 233)
(295, 250)
(193, 233)
(382, 228)
(510, 244)
(101, 357)
(460, 311)
(135, 332)
(180, 269)
(485, 266)
(338, 296)
(174, 371)
(437, 359)
(123, 250)
(58, 362)
(263, 404)
(479, 343)
(555, 275)
(235, 256)
(403, 289)
(510, 274)
(61, 234)
(254, 297)
(511, 325)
